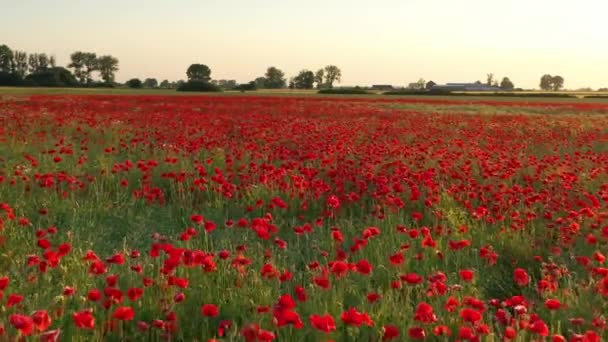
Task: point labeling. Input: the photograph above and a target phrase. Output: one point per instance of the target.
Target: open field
(302, 218)
(471, 96)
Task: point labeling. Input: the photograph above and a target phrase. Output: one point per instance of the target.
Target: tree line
(18, 68)
(40, 69)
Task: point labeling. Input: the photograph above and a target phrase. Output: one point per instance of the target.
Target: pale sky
(373, 42)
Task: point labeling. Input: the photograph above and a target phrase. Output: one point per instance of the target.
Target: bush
(246, 87)
(134, 83)
(8, 79)
(52, 77)
(345, 91)
(199, 86)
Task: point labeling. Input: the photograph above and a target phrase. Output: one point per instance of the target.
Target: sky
(373, 42)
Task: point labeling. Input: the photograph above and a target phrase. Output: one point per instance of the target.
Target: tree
(421, 83)
(107, 66)
(430, 84)
(319, 75)
(260, 83)
(33, 63)
(246, 87)
(83, 63)
(304, 80)
(489, 79)
(6, 59)
(165, 84)
(557, 82)
(134, 83)
(90, 64)
(332, 74)
(506, 84)
(20, 63)
(78, 65)
(150, 83)
(52, 77)
(546, 82)
(227, 84)
(43, 62)
(275, 78)
(52, 61)
(198, 72)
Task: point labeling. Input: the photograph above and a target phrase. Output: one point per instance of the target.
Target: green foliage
(274, 78)
(6, 58)
(150, 83)
(199, 86)
(107, 65)
(304, 80)
(199, 72)
(506, 84)
(332, 74)
(84, 63)
(52, 77)
(20, 63)
(134, 83)
(8, 79)
(251, 86)
(548, 82)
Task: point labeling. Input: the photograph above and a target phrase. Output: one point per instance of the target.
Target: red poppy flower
(124, 313)
(84, 320)
(324, 323)
(210, 310)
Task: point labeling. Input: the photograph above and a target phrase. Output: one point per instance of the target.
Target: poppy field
(250, 218)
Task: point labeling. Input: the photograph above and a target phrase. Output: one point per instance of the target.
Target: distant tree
(275, 78)
(506, 84)
(90, 65)
(77, 64)
(247, 86)
(165, 84)
(198, 72)
(52, 77)
(319, 76)
(43, 62)
(227, 84)
(292, 84)
(489, 79)
(430, 84)
(150, 83)
(83, 63)
(605, 89)
(20, 63)
(52, 61)
(260, 82)
(420, 84)
(134, 83)
(546, 82)
(332, 74)
(33, 63)
(6, 59)
(557, 82)
(107, 66)
(304, 80)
